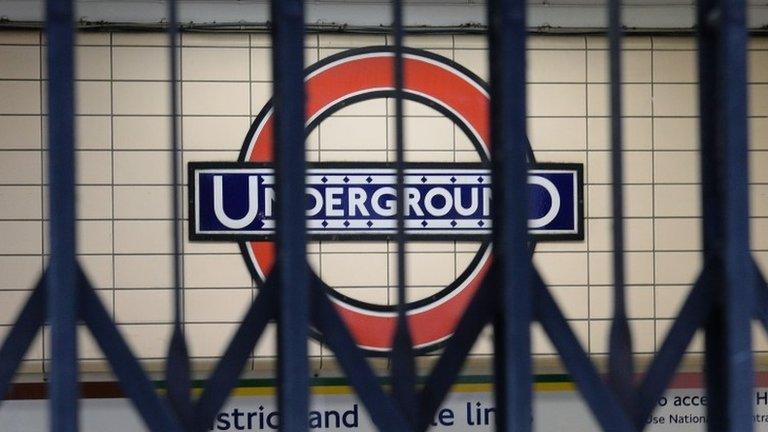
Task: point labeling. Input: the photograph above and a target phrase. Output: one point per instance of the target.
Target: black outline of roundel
(376, 95)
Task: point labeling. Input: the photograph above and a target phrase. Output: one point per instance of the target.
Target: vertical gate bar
(403, 372)
(293, 293)
(178, 375)
(507, 57)
(711, 190)
(620, 367)
(738, 275)
(62, 292)
(723, 129)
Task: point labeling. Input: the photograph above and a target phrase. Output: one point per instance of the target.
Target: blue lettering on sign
(238, 200)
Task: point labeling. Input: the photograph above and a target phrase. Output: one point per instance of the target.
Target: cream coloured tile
(143, 271)
(669, 300)
(90, 38)
(676, 133)
(638, 268)
(637, 133)
(20, 272)
(143, 306)
(674, 43)
(92, 62)
(758, 133)
(93, 202)
(19, 62)
(541, 344)
(360, 133)
(758, 200)
(142, 98)
(142, 133)
(758, 99)
(142, 202)
(215, 133)
(207, 247)
(206, 156)
(557, 133)
(638, 200)
(93, 167)
(758, 167)
(555, 42)
(642, 336)
(677, 200)
(223, 64)
(757, 43)
(353, 247)
(423, 133)
(215, 98)
(21, 237)
(20, 37)
(369, 295)
(676, 167)
(142, 167)
(573, 301)
(93, 132)
(141, 63)
(562, 268)
(629, 42)
(20, 97)
(636, 66)
(11, 303)
(261, 62)
(146, 237)
(227, 305)
(638, 167)
(148, 340)
(93, 237)
(759, 233)
(260, 94)
(556, 66)
(330, 40)
(364, 270)
(474, 60)
(20, 202)
(209, 340)
(214, 39)
(757, 66)
(20, 132)
(425, 269)
(636, 99)
(34, 354)
(140, 38)
(474, 41)
(99, 270)
(267, 345)
(230, 271)
(678, 234)
(484, 342)
(380, 107)
(675, 67)
(638, 234)
(677, 267)
(639, 301)
(675, 100)
(20, 167)
(556, 100)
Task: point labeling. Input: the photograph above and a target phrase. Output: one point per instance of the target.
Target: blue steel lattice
(512, 295)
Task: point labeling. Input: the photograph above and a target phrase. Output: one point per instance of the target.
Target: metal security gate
(728, 294)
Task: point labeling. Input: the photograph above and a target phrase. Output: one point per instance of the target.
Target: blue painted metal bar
(382, 409)
(483, 306)
(692, 315)
(62, 293)
(178, 375)
(293, 275)
(620, 362)
(507, 57)
(134, 382)
(227, 373)
(606, 408)
(403, 368)
(723, 126)
(21, 335)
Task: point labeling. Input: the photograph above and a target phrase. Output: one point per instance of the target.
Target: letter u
(253, 203)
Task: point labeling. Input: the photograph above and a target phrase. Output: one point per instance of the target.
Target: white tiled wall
(124, 180)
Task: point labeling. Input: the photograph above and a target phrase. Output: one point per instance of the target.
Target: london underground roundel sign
(355, 201)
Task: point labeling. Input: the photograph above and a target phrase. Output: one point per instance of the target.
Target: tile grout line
(41, 68)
